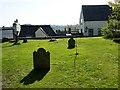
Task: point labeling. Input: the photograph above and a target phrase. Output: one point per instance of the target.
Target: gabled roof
(29, 30)
(49, 31)
(96, 12)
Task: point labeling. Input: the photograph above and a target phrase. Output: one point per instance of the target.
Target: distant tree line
(73, 27)
(69, 28)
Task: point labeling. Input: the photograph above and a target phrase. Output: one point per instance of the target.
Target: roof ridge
(96, 5)
(96, 12)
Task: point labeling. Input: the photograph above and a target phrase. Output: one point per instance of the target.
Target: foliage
(106, 32)
(96, 64)
(112, 30)
(72, 27)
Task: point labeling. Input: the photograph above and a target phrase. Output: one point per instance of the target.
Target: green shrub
(116, 34)
(106, 32)
(109, 33)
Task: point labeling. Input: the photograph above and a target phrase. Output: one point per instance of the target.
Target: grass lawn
(96, 64)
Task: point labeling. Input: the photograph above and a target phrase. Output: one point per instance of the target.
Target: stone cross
(41, 59)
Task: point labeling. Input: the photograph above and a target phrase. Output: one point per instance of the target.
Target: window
(90, 33)
(81, 31)
(86, 29)
(81, 21)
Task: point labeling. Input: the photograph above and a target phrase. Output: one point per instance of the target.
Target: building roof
(48, 29)
(6, 28)
(29, 30)
(96, 12)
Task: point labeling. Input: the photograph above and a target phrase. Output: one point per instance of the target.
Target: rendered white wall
(95, 25)
(82, 23)
(7, 33)
(40, 33)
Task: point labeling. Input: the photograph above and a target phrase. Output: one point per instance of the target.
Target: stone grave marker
(24, 40)
(41, 59)
(71, 43)
(52, 40)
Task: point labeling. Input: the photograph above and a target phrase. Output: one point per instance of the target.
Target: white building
(93, 18)
(6, 32)
(36, 31)
(40, 33)
(9, 32)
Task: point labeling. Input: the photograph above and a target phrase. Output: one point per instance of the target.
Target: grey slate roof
(96, 12)
(29, 30)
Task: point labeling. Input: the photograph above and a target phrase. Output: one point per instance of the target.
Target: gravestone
(41, 59)
(52, 40)
(24, 40)
(71, 43)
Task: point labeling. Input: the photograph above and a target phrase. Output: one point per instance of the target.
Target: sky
(40, 12)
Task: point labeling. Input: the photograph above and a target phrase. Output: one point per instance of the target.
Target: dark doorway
(81, 31)
(99, 32)
(90, 33)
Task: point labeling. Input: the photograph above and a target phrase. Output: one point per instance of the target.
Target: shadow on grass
(75, 58)
(11, 45)
(34, 75)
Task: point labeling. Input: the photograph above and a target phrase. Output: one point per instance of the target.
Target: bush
(110, 34)
(106, 32)
(116, 34)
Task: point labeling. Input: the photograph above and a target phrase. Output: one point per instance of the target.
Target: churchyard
(95, 65)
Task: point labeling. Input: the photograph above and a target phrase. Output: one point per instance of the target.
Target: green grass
(96, 64)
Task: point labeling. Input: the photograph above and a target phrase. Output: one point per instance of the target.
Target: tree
(112, 29)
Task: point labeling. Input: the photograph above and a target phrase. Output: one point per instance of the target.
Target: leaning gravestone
(41, 59)
(71, 43)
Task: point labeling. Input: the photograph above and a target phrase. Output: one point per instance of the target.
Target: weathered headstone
(41, 59)
(71, 43)
(24, 40)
